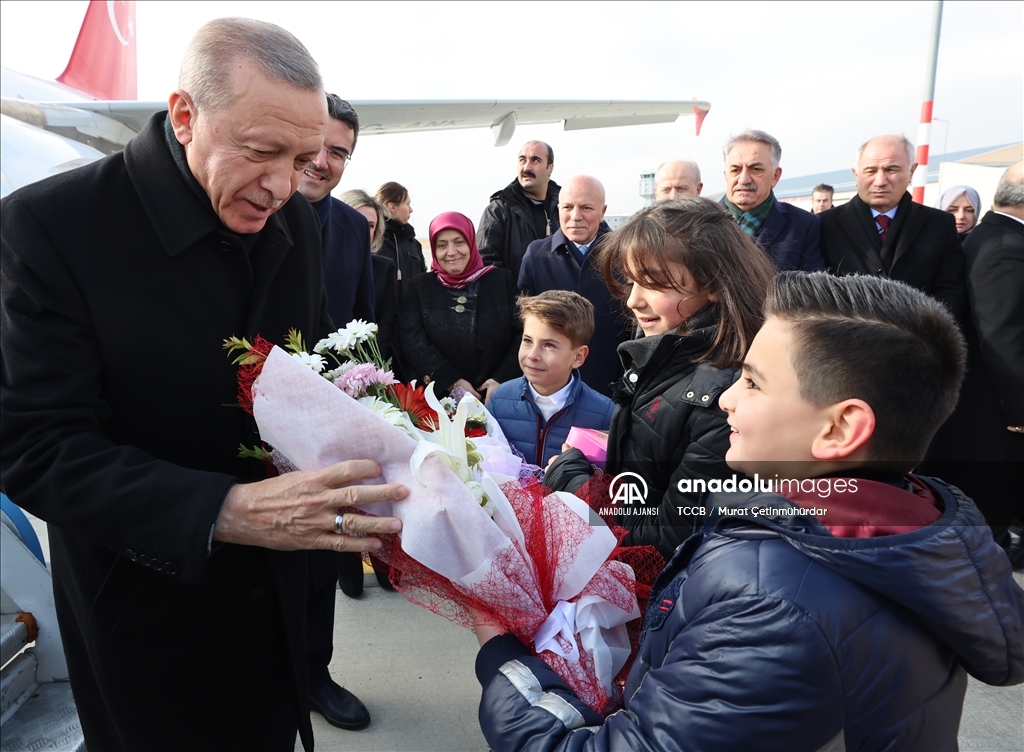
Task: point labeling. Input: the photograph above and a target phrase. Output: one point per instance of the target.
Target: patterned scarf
(750, 221)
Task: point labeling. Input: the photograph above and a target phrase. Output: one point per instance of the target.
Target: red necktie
(883, 222)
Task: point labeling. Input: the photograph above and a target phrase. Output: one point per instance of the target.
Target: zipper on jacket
(542, 433)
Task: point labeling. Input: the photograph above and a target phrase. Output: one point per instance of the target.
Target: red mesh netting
(249, 371)
(519, 600)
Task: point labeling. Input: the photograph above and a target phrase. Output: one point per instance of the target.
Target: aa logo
(626, 488)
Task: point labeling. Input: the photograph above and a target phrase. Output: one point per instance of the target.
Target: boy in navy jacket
(832, 599)
(537, 410)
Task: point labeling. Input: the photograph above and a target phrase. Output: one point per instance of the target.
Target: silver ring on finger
(338, 523)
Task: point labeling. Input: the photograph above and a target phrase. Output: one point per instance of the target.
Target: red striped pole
(924, 132)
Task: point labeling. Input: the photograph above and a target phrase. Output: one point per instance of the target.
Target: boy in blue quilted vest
(537, 410)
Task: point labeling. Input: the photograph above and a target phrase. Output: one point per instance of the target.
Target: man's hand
(487, 389)
(297, 511)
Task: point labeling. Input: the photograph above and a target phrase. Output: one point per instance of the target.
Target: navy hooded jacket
(768, 633)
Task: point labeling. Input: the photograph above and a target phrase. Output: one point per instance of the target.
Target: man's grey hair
(757, 137)
(904, 141)
(688, 162)
(1010, 191)
(276, 53)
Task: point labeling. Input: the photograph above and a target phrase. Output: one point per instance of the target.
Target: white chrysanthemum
(360, 331)
(313, 361)
(383, 409)
(339, 341)
(449, 405)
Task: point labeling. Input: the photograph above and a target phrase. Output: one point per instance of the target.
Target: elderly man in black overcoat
(178, 569)
(882, 232)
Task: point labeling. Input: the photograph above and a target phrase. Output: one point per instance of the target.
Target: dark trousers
(322, 593)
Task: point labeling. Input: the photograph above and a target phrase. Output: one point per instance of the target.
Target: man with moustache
(882, 232)
(348, 277)
(676, 178)
(179, 570)
(523, 211)
(565, 261)
(789, 235)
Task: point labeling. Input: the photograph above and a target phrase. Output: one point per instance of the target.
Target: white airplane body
(91, 110)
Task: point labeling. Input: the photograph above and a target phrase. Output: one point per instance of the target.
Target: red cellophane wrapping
(551, 532)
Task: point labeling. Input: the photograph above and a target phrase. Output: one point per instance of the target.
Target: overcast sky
(821, 77)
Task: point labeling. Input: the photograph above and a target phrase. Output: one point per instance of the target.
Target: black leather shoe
(339, 707)
(350, 574)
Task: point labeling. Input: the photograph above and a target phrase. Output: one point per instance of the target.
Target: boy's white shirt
(551, 404)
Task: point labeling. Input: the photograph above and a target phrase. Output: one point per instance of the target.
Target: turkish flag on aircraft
(102, 64)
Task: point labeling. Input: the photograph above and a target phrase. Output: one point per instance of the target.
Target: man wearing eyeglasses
(345, 234)
(348, 277)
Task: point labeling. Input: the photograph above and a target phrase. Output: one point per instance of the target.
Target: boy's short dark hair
(882, 341)
(568, 313)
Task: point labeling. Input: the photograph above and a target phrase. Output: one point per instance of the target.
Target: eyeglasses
(338, 156)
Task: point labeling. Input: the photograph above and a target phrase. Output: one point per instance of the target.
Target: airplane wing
(92, 119)
(502, 116)
(91, 109)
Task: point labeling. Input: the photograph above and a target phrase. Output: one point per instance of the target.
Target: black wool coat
(443, 344)
(921, 248)
(119, 285)
(508, 225)
(385, 282)
(973, 450)
(404, 250)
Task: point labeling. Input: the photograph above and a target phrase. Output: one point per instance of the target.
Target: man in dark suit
(789, 235)
(565, 261)
(345, 235)
(179, 575)
(348, 277)
(981, 447)
(882, 232)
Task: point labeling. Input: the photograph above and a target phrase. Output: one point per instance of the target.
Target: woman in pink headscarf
(458, 325)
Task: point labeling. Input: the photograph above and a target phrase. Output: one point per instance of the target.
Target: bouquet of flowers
(475, 537)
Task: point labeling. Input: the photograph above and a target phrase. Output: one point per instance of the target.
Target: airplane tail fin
(103, 61)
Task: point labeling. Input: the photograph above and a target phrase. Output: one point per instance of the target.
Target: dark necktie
(883, 222)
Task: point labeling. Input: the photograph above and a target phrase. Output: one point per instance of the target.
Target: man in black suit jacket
(912, 243)
(348, 277)
(789, 235)
(178, 574)
(981, 447)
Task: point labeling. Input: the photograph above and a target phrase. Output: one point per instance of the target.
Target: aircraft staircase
(37, 710)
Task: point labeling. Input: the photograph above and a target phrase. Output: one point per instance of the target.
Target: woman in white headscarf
(964, 203)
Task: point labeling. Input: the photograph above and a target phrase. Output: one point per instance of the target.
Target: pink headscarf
(475, 268)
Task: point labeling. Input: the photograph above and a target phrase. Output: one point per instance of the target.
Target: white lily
(450, 444)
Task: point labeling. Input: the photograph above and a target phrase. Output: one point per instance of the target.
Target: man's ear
(581, 355)
(183, 114)
(851, 423)
(776, 176)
